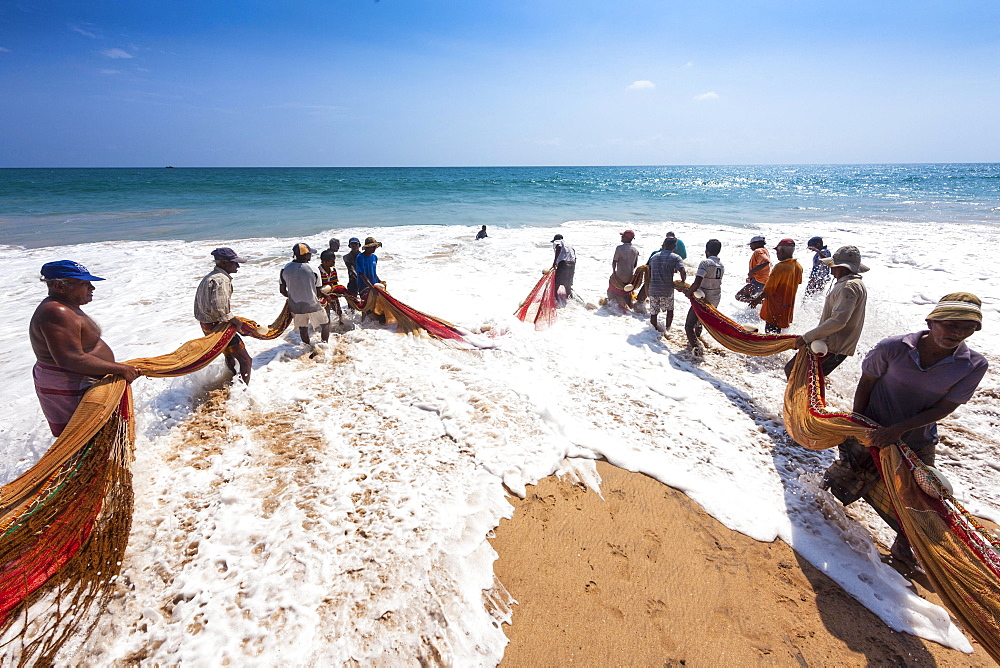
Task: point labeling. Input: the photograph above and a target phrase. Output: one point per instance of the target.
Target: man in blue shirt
(365, 264)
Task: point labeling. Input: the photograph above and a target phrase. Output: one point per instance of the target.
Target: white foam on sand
(338, 508)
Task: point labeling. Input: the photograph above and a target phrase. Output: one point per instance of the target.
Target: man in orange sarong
(779, 291)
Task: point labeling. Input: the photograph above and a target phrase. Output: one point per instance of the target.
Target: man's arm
(841, 313)
(886, 436)
(680, 270)
(754, 270)
(694, 286)
(63, 333)
(282, 288)
(555, 258)
(863, 392)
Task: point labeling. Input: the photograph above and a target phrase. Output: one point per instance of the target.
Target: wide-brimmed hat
(67, 269)
(959, 306)
(372, 242)
(846, 256)
(227, 254)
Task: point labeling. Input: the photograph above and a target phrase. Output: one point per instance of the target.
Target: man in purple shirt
(907, 384)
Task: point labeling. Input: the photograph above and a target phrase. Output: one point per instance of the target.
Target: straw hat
(371, 242)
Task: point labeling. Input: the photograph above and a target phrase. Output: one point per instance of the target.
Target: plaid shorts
(661, 304)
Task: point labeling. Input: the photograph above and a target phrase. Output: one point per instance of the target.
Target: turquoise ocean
(51, 207)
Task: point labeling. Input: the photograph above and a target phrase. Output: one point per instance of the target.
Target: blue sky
(502, 82)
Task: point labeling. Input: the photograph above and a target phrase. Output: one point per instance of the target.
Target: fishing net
(409, 320)
(64, 523)
(540, 306)
(961, 559)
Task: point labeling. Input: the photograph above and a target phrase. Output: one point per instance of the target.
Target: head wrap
(958, 306)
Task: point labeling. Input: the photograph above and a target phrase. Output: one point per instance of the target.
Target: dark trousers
(564, 276)
(828, 363)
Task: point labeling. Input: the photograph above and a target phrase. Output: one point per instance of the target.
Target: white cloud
(115, 54)
(83, 31)
(689, 64)
(4, 49)
(704, 97)
(642, 84)
(110, 72)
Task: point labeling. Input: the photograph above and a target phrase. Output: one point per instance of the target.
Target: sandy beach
(645, 577)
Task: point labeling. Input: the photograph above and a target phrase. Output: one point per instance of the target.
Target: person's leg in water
(304, 334)
(668, 320)
(241, 356)
(693, 329)
(654, 314)
(324, 332)
(771, 329)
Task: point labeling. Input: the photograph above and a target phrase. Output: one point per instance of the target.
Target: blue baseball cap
(67, 269)
(353, 240)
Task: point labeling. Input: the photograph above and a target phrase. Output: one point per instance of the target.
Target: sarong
(617, 292)
(59, 392)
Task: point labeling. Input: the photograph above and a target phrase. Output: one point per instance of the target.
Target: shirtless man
(67, 344)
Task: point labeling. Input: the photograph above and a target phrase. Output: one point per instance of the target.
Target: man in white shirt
(300, 282)
(708, 279)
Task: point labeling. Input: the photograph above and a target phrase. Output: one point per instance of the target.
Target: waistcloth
(59, 393)
(234, 344)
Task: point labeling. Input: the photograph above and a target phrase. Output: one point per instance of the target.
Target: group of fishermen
(71, 356)
(908, 383)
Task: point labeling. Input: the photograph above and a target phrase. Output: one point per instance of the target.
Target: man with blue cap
(67, 344)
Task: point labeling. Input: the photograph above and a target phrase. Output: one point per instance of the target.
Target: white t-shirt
(711, 271)
(566, 252)
(301, 279)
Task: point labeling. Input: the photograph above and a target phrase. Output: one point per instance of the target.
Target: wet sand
(645, 577)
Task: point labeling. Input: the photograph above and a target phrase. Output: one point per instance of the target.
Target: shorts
(316, 319)
(661, 304)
